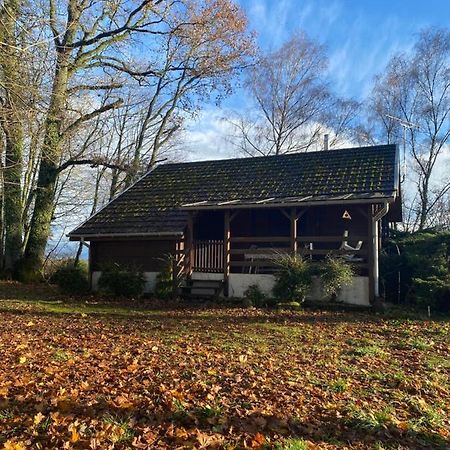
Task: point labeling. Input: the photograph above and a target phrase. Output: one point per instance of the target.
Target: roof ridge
(283, 155)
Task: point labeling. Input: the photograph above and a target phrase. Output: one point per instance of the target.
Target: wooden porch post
(90, 258)
(294, 220)
(376, 256)
(175, 268)
(226, 252)
(371, 241)
(189, 245)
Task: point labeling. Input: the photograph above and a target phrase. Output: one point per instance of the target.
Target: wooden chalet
(225, 222)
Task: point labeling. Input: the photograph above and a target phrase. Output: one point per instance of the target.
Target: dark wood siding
(146, 255)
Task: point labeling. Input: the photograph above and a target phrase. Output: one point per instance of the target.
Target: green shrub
(433, 292)
(164, 282)
(421, 269)
(292, 279)
(254, 297)
(121, 282)
(334, 274)
(71, 279)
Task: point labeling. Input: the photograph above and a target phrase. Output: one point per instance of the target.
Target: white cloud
(206, 136)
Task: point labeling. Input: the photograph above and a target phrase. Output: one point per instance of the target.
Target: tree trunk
(11, 121)
(424, 203)
(48, 174)
(13, 207)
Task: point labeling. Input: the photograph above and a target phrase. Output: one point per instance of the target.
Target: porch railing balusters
(251, 252)
(208, 255)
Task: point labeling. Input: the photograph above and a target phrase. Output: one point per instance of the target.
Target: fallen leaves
(225, 379)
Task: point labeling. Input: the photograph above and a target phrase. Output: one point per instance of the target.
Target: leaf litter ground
(100, 376)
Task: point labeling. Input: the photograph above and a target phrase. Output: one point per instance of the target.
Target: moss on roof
(152, 204)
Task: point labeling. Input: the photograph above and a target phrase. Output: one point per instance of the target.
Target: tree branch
(97, 87)
(92, 114)
(93, 162)
(125, 27)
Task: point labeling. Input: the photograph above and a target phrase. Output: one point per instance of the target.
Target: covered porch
(240, 246)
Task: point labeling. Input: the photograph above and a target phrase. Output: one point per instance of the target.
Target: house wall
(146, 255)
(355, 294)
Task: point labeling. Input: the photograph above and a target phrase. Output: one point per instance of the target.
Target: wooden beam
(189, 245)
(337, 239)
(370, 253)
(261, 239)
(175, 269)
(294, 220)
(226, 251)
(302, 212)
(286, 213)
(90, 258)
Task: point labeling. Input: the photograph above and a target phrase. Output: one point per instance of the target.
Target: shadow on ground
(319, 429)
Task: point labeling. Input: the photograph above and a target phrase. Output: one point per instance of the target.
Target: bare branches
(416, 88)
(53, 22)
(93, 163)
(95, 87)
(128, 26)
(89, 116)
(293, 105)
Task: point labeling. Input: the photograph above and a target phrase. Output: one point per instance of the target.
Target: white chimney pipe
(325, 141)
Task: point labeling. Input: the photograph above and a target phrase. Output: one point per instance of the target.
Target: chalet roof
(158, 202)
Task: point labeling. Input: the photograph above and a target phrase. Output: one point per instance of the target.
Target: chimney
(325, 141)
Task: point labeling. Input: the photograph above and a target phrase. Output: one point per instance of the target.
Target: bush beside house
(294, 278)
(70, 278)
(121, 281)
(415, 269)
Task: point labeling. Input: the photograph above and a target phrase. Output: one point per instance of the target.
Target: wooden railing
(260, 254)
(208, 256)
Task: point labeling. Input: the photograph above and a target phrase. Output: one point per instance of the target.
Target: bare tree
(293, 105)
(416, 88)
(104, 87)
(91, 66)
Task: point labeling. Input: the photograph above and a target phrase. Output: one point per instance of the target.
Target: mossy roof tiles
(154, 204)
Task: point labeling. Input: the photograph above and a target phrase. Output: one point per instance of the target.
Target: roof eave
(381, 199)
(87, 236)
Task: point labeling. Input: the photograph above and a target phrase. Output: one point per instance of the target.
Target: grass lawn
(97, 376)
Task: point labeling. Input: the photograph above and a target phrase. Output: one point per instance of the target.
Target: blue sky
(360, 37)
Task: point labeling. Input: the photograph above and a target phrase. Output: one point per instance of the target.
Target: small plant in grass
(253, 296)
(292, 279)
(44, 425)
(208, 412)
(364, 420)
(292, 444)
(340, 385)
(334, 274)
(71, 279)
(427, 415)
(121, 281)
(368, 350)
(123, 433)
(6, 414)
(61, 355)
(419, 344)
